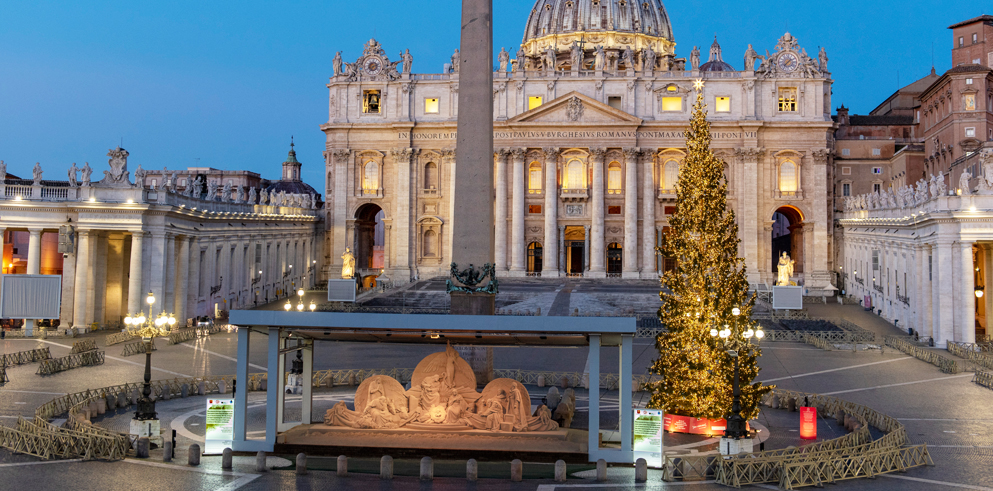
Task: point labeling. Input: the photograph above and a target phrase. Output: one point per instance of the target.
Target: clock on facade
(788, 61)
(373, 65)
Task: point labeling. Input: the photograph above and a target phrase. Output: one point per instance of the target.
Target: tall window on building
(534, 178)
(846, 189)
(575, 175)
(876, 187)
(370, 101)
(431, 105)
(672, 103)
(787, 99)
(614, 178)
(430, 177)
(370, 177)
(787, 178)
(722, 104)
(670, 175)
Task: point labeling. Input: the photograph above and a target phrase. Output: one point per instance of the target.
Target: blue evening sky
(228, 82)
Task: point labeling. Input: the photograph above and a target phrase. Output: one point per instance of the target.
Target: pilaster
(517, 214)
(648, 259)
(550, 253)
(630, 251)
(597, 255)
(500, 212)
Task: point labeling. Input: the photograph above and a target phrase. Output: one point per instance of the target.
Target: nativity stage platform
(567, 444)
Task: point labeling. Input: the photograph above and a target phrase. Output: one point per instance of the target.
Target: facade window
(575, 175)
(370, 101)
(787, 99)
(787, 178)
(431, 105)
(961, 41)
(876, 152)
(614, 101)
(968, 81)
(370, 177)
(876, 187)
(969, 101)
(672, 103)
(975, 38)
(534, 209)
(722, 105)
(154, 182)
(846, 189)
(534, 178)
(430, 246)
(846, 152)
(970, 132)
(182, 182)
(614, 178)
(534, 101)
(430, 176)
(614, 210)
(877, 170)
(670, 175)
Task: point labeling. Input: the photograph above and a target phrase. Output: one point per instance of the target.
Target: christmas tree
(702, 292)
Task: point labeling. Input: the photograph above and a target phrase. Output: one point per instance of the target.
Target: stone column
(923, 290)
(135, 292)
(193, 277)
(34, 250)
(944, 298)
(596, 223)
(402, 157)
(966, 332)
(339, 203)
(3, 231)
(752, 225)
(586, 249)
(500, 217)
(648, 259)
(181, 297)
(167, 301)
(630, 266)
(550, 252)
(82, 273)
(157, 276)
(561, 243)
(518, 191)
(238, 273)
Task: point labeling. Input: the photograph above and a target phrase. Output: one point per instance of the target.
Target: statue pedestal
(473, 303)
(150, 428)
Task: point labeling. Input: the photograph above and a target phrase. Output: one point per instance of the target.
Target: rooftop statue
(785, 270)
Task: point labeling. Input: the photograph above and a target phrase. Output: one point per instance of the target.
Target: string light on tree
(707, 290)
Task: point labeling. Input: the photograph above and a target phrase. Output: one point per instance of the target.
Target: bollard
(167, 451)
(342, 466)
(601, 470)
(122, 399)
(641, 470)
(427, 469)
(226, 459)
(260, 462)
(791, 404)
(202, 387)
(472, 470)
(194, 455)
(184, 390)
(142, 450)
(222, 387)
(111, 402)
(101, 406)
(386, 467)
(839, 417)
(560, 471)
(541, 380)
(301, 464)
(516, 470)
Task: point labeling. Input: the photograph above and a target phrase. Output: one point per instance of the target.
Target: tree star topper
(698, 84)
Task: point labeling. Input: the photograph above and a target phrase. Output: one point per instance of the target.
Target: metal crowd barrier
(118, 337)
(22, 357)
(972, 352)
(136, 348)
(947, 365)
(984, 378)
(83, 346)
(84, 359)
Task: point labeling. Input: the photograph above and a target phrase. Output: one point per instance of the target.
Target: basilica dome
(556, 17)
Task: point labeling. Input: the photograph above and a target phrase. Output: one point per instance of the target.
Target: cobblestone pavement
(948, 412)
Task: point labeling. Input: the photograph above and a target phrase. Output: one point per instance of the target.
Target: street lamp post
(736, 428)
(145, 421)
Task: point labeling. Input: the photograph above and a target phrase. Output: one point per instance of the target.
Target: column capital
(501, 154)
(551, 153)
(631, 154)
(518, 154)
(36, 230)
(597, 154)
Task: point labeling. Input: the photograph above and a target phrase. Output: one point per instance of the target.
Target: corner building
(590, 117)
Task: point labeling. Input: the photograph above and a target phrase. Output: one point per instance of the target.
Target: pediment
(575, 108)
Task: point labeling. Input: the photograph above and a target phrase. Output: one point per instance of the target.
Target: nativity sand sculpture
(442, 397)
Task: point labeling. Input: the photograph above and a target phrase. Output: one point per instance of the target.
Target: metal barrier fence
(3, 375)
(984, 378)
(118, 337)
(853, 466)
(972, 352)
(22, 357)
(48, 441)
(136, 348)
(947, 365)
(55, 365)
(818, 342)
(83, 346)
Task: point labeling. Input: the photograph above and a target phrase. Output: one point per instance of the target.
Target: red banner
(808, 423)
(675, 423)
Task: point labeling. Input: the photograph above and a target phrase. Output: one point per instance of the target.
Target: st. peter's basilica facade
(589, 122)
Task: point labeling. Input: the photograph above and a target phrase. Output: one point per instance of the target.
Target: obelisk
(472, 241)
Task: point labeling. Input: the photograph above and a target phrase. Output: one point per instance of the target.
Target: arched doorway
(575, 250)
(615, 256)
(534, 259)
(787, 236)
(370, 237)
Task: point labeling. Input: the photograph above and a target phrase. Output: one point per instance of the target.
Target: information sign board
(647, 441)
(808, 423)
(219, 426)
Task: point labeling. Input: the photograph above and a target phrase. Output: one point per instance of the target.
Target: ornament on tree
(701, 292)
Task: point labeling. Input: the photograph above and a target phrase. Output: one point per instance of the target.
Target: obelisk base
(473, 303)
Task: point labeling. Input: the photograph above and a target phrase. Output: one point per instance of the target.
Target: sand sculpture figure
(442, 396)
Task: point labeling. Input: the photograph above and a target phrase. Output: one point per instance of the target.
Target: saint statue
(337, 63)
(72, 175)
(408, 60)
(347, 264)
(550, 59)
(3, 172)
(139, 177)
(251, 195)
(648, 57)
(521, 60)
(600, 59)
(504, 58)
(627, 56)
(695, 58)
(785, 270)
(822, 60)
(37, 173)
(750, 56)
(456, 58)
(84, 173)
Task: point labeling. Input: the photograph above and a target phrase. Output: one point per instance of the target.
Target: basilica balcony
(581, 194)
(18, 190)
(789, 195)
(667, 194)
